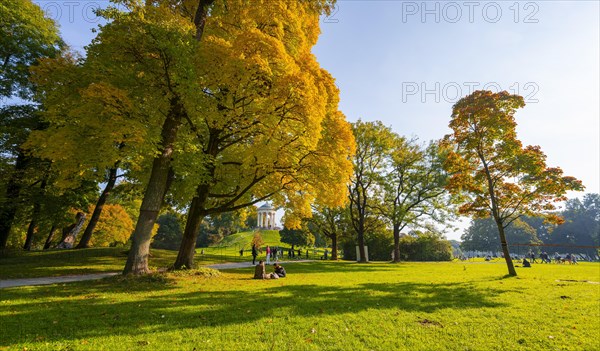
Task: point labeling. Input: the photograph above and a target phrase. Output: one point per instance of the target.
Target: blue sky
(405, 63)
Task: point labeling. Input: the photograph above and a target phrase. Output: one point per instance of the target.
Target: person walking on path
(254, 254)
(268, 255)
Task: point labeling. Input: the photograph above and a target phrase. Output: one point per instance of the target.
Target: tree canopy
(26, 35)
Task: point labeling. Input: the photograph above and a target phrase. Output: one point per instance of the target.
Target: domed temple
(266, 217)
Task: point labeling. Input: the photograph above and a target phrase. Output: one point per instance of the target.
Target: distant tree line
(581, 227)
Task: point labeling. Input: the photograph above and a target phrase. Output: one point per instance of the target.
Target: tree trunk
(396, 243)
(89, 230)
(30, 232)
(137, 260)
(49, 238)
(35, 215)
(507, 258)
(361, 239)
(69, 239)
(32, 226)
(8, 209)
(334, 247)
(187, 249)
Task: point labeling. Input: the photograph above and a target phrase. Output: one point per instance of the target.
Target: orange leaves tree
(491, 170)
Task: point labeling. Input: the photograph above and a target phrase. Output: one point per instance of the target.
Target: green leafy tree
(331, 223)
(414, 187)
(373, 143)
(169, 232)
(494, 173)
(297, 237)
(26, 35)
(582, 222)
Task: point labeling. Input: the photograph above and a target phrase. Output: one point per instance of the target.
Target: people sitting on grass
(279, 270)
(526, 263)
(260, 271)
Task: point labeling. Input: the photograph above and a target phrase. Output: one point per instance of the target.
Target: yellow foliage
(114, 227)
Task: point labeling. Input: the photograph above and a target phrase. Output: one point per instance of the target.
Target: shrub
(425, 247)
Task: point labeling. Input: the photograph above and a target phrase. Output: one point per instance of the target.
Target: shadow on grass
(91, 310)
(65, 262)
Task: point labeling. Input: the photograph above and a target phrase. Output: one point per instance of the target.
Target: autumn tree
(413, 187)
(250, 88)
(114, 227)
(373, 143)
(494, 173)
(257, 240)
(270, 127)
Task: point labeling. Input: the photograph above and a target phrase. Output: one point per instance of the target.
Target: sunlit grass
(320, 306)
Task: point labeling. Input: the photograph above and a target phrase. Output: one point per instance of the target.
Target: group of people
(545, 258)
(261, 273)
(272, 254)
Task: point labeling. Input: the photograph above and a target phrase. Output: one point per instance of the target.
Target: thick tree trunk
(505, 251)
(137, 260)
(49, 238)
(8, 209)
(396, 243)
(187, 249)
(69, 240)
(89, 230)
(334, 247)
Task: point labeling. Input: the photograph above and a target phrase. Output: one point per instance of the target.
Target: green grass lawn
(319, 306)
(244, 240)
